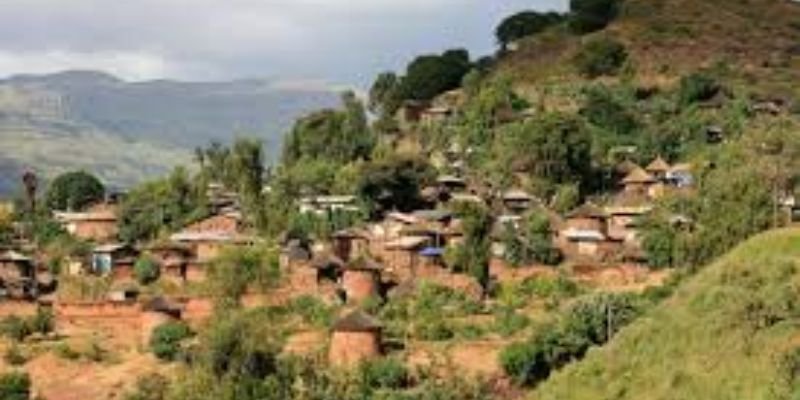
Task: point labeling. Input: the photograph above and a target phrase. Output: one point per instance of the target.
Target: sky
(344, 42)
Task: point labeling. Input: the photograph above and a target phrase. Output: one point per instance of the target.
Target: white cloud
(206, 39)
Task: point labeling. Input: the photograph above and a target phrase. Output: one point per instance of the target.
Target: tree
(603, 56)
(394, 183)
(385, 95)
(430, 75)
(146, 270)
(474, 253)
(164, 204)
(165, 342)
(538, 240)
(74, 191)
(337, 135)
(551, 147)
(591, 15)
(603, 109)
(525, 23)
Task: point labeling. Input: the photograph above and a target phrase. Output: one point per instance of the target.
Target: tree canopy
(525, 23)
(74, 191)
(587, 16)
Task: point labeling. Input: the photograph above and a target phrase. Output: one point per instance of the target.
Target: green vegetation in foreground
(728, 333)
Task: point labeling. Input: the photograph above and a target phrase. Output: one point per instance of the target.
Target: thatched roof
(162, 305)
(658, 166)
(626, 167)
(15, 257)
(357, 321)
(364, 264)
(639, 175)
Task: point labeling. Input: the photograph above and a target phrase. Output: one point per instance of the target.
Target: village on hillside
(470, 229)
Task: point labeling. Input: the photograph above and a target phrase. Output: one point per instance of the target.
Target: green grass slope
(727, 333)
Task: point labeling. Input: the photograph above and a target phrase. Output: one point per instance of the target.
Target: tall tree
(74, 191)
(525, 23)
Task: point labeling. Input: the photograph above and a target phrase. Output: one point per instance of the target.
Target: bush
(42, 322)
(433, 329)
(386, 373)
(15, 328)
(697, 87)
(149, 387)
(146, 270)
(14, 356)
(15, 386)
(600, 57)
(66, 352)
(166, 339)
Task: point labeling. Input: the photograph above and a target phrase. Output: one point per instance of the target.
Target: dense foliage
(15, 386)
(525, 23)
(166, 339)
(74, 191)
(146, 270)
(591, 15)
(598, 57)
(394, 183)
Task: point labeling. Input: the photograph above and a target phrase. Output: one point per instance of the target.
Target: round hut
(361, 280)
(155, 312)
(356, 338)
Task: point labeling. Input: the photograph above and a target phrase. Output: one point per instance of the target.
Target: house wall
(359, 285)
(99, 231)
(351, 348)
(591, 224)
(206, 251)
(195, 272)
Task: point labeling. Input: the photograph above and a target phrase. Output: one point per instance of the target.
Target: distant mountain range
(127, 131)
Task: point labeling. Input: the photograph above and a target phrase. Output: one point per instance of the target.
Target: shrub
(149, 387)
(15, 328)
(312, 310)
(14, 356)
(508, 322)
(96, 352)
(146, 270)
(166, 339)
(42, 322)
(433, 329)
(697, 87)
(386, 373)
(66, 352)
(600, 57)
(15, 386)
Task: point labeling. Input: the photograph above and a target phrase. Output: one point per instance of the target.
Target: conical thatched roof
(658, 166)
(357, 321)
(626, 167)
(638, 175)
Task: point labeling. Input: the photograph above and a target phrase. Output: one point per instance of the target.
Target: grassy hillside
(728, 333)
(667, 38)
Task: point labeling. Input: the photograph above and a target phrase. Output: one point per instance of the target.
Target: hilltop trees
(430, 75)
(74, 191)
(591, 15)
(524, 24)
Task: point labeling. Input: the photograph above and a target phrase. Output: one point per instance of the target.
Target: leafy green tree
(165, 342)
(606, 111)
(474, 254)
(394, 183)
(165, 204)
(146, 270)
(235, 270)
(525, 23)
(74, 191)
(385, 95)
(337, 135)
(15, 386)
(430, 75)
(538, 240)
(551, 147)
(602, 56)
(591, 15)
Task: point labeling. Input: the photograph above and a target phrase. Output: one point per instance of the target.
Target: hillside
(728, 333)
(667, 38)
(126, 131)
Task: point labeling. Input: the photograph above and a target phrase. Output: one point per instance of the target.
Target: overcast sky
(335, 41)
